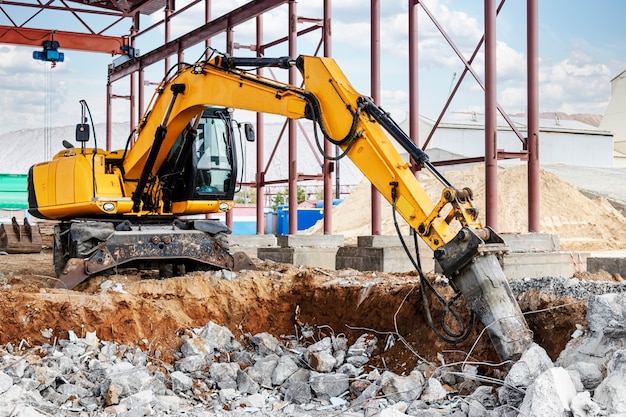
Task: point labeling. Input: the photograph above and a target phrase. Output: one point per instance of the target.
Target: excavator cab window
(202, 166)
(213, 155)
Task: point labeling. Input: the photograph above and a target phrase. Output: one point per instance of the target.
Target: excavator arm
(466, 251)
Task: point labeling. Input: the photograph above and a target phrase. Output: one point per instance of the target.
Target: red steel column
(230, 214)
(414, 116)
(169, 9)
(109, 112)
(375, 92)
(207, 19)
(328, 148)
(141, 81)
(260, 180)
(534, 180)
(491, 155)
(293, 149)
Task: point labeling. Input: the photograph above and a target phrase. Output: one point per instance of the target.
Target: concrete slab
(530, 255)
(612, 265)
(384, 259)
(543, 264)
(310, 241)
(383, 253)
(309, 250)
(316, 257)
(531, 242)
(249, 244)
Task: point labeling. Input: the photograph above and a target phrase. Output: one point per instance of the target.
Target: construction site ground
(291, 301)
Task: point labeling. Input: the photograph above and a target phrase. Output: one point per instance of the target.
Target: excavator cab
(202, 163)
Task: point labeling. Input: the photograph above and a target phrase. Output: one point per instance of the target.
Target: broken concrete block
(298, 392)
(245, 384)
(532, 363)
(402, 388)
(612, 390)
(6, 382)
(434, 391)
(605, 318)
(364, 346)
(139, 400)
(549, 395)
(180, 381)
(216, 337)
(263, 369)
(589, 374)
(284, 369)
(266, 344)
(74, 390)
(583, 406)
(193, 363)
(322, 361)
(325, 386)
(224, 374)
(324, 345)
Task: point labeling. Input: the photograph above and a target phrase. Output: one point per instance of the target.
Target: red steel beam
(67, 40)
(199, 35)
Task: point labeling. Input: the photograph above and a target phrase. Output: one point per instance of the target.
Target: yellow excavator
(127, 207)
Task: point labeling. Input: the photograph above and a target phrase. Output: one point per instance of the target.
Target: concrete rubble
(218, 374)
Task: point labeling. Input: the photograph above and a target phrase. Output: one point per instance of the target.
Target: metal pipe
(491, 154)
(534, 180)
(414, 116)
(375, 93)
(260, 185)
(109, 112)
(327, 167)
(293, 143)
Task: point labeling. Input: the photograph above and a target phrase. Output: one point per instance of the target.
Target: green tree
(301, 194)
(281, 198)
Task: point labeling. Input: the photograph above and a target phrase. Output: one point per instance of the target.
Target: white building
(614, 119)
(566, 142)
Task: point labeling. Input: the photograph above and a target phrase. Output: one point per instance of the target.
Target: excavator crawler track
(84, 249)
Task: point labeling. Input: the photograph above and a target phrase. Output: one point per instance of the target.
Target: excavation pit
(295, 304)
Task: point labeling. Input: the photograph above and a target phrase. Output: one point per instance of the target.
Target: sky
(582, 46)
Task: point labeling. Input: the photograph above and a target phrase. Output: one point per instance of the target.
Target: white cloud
(576, 84)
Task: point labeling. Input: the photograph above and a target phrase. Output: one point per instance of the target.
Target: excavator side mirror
(249, 132)
(82, 132)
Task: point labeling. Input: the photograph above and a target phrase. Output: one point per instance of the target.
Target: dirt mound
(580, 222)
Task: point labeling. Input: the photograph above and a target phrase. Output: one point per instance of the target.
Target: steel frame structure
(98, 41)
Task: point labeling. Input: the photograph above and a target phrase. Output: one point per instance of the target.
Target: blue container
(320, 204)
(282, 220)
(307, 217)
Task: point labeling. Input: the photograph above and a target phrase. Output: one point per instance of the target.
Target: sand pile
(581, 223)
